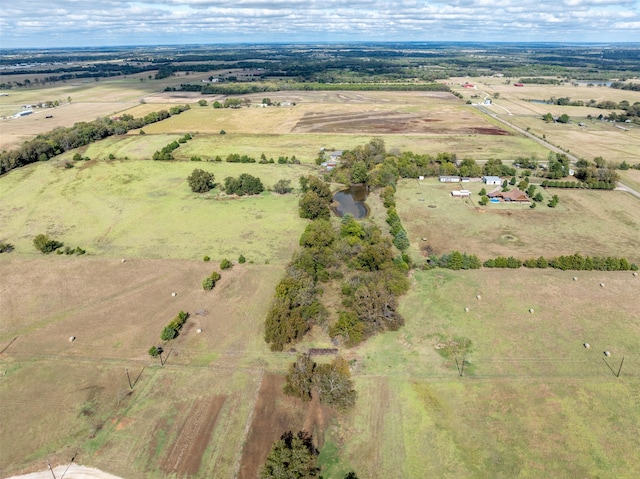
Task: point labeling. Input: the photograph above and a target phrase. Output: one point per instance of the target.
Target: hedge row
(594, 185)
(456, 260)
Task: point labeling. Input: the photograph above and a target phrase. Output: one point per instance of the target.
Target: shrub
(241, 259)
(45, 244)
(225, 264)
(208, 283)
(206, 259)
(6, 247)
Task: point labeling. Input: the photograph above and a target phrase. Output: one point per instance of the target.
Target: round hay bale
(478, 297)
(174, 294)
(575, 279)
(424, 239)
(587, 346)
(198, 330)
(607, 353)
(123, 260)
(531, 310)
(72, 339)
(635, 273)
(602, 285)
(466, 310)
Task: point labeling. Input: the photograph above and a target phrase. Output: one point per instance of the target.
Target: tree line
(47, 145)
(457, 261)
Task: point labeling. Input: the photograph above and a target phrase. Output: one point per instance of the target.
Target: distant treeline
(540, 81)
(261, 87)
(47, 145)
(626, 86)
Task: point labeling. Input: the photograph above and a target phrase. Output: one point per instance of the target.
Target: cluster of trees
(626, 86)
(599, 171)
(373, 165)
(372, 279)
(45, 244)
(201, 181)
(166, 153)
(47, 145)
(502, 262)
(245, 184)
(564, 118)
(315, 200)
(172, 330)
(210, 281)
(375, 278)
(331, 382)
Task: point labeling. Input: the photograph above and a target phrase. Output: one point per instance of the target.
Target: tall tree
(292, 457)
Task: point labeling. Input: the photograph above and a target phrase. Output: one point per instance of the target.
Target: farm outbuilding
(461, 193)
(492, 180)
(450, 179)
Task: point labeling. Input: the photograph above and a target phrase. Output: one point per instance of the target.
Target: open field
(580, 222)
(532, 402)
(594, 139)
(146, 209)
(60, 397)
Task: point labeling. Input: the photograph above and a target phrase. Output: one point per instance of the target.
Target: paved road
(546, 144)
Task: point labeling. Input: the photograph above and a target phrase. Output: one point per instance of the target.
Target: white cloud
(83, 22)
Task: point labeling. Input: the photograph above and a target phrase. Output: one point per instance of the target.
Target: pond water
(351, 201)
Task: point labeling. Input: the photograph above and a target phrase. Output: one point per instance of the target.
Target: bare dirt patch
(185, 454)
(384, 122)
(274, 414)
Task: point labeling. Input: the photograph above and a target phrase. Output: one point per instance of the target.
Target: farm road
(555, 149)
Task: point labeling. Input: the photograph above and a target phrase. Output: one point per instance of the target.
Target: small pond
(351, 201)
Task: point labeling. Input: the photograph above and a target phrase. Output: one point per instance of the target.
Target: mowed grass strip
(146, 209)
(591, 222)
(532, 401)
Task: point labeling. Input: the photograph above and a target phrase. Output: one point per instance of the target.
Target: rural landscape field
(497, 372)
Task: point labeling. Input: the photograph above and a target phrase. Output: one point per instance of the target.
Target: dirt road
(69, 471)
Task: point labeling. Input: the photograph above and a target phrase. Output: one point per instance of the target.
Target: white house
(492, 180)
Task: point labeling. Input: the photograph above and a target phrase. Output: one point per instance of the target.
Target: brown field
(75, 395)
(594, 139)
(185, 454)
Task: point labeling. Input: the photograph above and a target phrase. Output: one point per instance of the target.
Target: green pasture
(146, 209)
(532, 401)
(603, 223)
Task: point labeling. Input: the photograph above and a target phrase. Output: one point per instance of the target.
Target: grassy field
(532, 401)
(146, 209)
(577, 224)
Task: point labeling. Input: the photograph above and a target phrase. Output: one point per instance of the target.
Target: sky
(92, 23)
